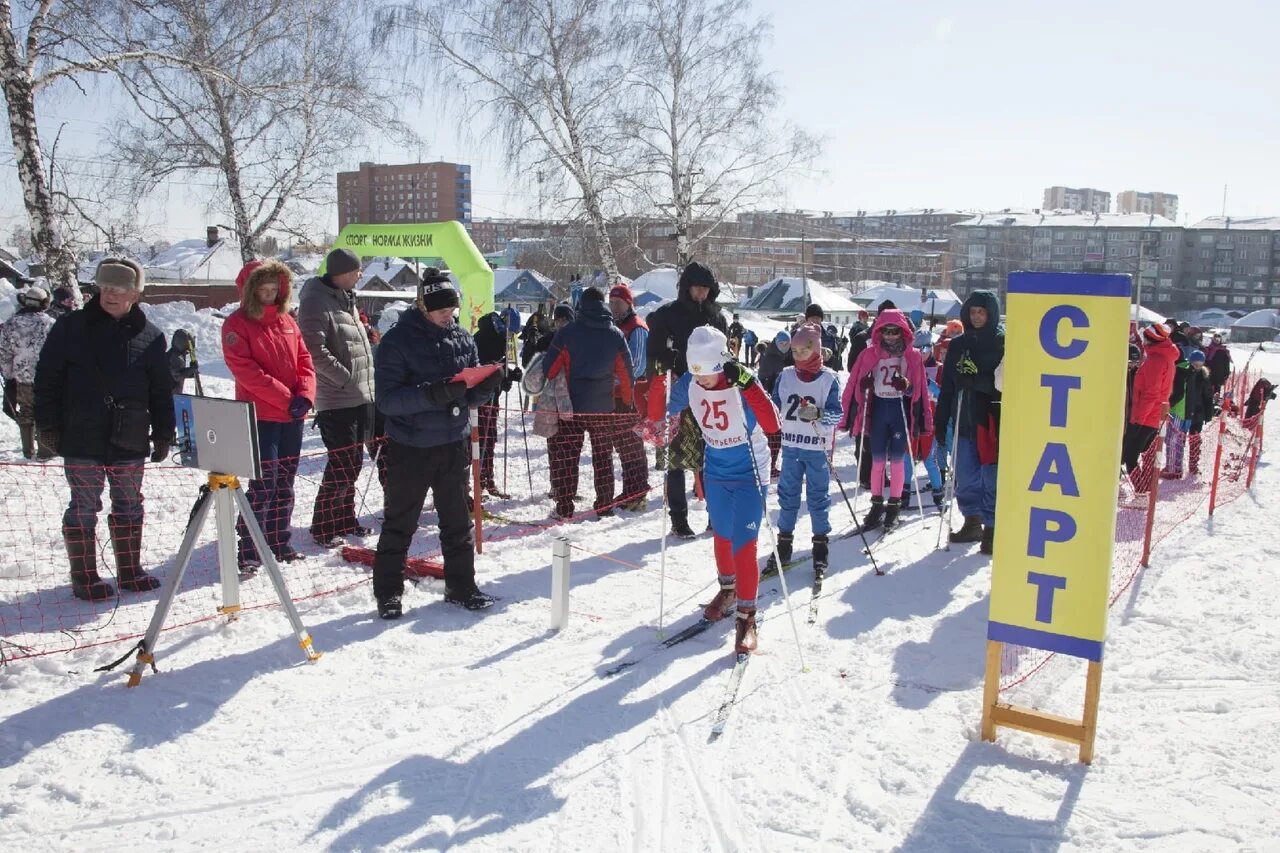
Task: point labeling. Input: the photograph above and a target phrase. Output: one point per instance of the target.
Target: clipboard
(473, 376)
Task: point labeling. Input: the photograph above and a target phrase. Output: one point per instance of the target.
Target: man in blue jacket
(594, 355)
(427, 448)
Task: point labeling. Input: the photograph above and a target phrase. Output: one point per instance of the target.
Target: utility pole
(804, 265)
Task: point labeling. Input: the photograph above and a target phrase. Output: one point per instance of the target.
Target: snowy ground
(452, 730)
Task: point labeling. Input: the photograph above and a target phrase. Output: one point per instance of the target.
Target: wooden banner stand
(996, 713)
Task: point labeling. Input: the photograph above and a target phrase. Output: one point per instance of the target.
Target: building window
(1166, 282)
(1202, 297)
(1259, 300)
(1206, 238)
(1164, 297)
(1239, 300)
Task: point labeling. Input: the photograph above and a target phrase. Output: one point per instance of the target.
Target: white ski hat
(706, 351)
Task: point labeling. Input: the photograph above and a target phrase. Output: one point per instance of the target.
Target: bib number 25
(714, 416)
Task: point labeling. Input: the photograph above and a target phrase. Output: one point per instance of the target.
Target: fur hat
(436, 291)
(34, 297)
(341, 261)
(120, 273)
(263, 272)
(706, 351)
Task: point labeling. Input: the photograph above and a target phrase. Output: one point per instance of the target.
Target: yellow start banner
(1062, 421)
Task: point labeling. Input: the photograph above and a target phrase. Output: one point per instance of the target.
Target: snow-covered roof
(196, 261)
(9, 253)
(1140, 314)
(302, 264)
(1240, 223)
(504, 276)
(1267, 318)
(660, 282)
(1065, 219)
(788, 293)
(385, 270)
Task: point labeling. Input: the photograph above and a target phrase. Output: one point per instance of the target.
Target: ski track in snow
(449, 730)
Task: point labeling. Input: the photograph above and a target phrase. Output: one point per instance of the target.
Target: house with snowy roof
(383, 274)
(523, 289)
(787, 296)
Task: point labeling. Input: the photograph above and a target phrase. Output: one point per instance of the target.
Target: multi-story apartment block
(1085, 199)
(412, 192)
(1161, 204)
(1232, 263)
(986, 248)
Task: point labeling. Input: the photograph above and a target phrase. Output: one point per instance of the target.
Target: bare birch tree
(44, 42)
(274, 92)
(550, 74)
(708, 142)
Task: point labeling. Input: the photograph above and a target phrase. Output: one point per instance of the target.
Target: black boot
(821, 556)
(970, 531)
(874, 516)
(680, 526)
(891, 510)
(471, 599)
(82, 552)
(785, 541)
(28, 434)
(126, 541)
(988, 539)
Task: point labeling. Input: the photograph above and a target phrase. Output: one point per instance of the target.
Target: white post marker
(559, 583)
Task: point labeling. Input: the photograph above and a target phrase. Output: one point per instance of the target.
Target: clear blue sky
(973, 105)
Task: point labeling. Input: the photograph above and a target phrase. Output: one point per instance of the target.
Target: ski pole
(866, 546)
(662, 519)
(782, 575)
(902, 403)
(951, 473)
(524, 431)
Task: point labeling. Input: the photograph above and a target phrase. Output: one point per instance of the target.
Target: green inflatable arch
(448, 241)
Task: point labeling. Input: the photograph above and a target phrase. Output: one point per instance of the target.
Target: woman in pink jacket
(267, 357)
(888, 388)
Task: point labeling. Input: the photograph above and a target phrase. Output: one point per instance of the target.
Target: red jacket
(1152, 384)
(268, 359)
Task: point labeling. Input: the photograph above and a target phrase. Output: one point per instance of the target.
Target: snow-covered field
(452, 730)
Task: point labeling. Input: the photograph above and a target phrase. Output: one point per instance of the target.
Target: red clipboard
(473, 376)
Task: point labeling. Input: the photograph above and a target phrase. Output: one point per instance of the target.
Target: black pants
(411, 471)
(344, 432)
(1137, 438)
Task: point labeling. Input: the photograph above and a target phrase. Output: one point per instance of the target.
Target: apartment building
(1232, 263)
(1161, 204)
(410, 192)
(986, 248)
(1085, 199)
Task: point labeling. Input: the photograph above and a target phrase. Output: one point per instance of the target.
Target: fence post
(1151, 502)
(1217, 462)
(1257, 449)
(477, 510)
(559, 583)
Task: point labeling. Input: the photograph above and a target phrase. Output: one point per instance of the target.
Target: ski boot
(745, 639)
(785, 541)
(875, 515)
(970, 531)
(680, 526)
(938, 498)
(722, 605)
(390, 608)
(988, 540)
(821, 556)
(891, 511)
(471, 599)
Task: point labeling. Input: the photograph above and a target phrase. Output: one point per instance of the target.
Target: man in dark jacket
(104, 402)
(1218, 359)
(594, 355)
(343, 358)
(669, 329)
(969, 395)
(491, 347)
(427, 447)
(736, 332)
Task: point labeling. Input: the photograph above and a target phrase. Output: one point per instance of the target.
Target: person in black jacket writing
(669, 330)
(427, 442)
(104, 402)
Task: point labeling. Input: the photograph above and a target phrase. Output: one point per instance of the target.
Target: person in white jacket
(21, 340)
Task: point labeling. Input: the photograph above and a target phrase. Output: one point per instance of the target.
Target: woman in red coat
(1150, 400)
(267, 357)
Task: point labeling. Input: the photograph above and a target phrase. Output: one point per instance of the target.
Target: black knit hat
(885, 306)
(696, 275)
(814, 310)
(592, 294)
(436, 291)
(341, 261)
(563, 312)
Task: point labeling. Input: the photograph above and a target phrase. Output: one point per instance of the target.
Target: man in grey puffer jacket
(21, 340)
(343, 358)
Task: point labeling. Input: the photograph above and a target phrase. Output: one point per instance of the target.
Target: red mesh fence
(1173, 481)
(592, 465)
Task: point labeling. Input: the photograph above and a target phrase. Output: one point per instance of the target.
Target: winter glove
(966, 371)
(899, 383)
(298, 407)
(737, 375)
(515, 374)
(11, 398)
(809, 413)
(444, 394)
(161, 451)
